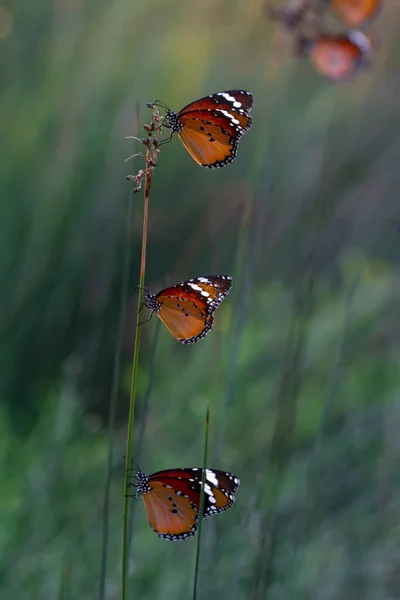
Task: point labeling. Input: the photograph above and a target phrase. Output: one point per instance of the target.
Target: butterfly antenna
(164, 119)
(139, 287)
(136, 466)
(158, 103)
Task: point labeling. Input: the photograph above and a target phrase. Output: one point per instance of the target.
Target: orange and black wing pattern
(187, 309)
(210, 128)
(172, 498)
(172, 515)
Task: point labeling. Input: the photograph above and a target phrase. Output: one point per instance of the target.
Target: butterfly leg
(139, 310)
(130, 496)
(143, 303)
(167, 140)
(135, 495)
(146, 320)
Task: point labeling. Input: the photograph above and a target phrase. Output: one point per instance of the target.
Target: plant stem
(144, 413)
(201, 507)
(135, 365)
(113, 400)
(151, 144)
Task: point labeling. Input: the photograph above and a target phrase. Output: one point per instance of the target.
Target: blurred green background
(301, 371)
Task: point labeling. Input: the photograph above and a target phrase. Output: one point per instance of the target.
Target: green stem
(135, 365)
(201, 508)
(144, 413)
(113, 401)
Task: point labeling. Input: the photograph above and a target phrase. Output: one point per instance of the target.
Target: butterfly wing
(172, 515)
(357, 13)
(220, 487)
(172, 498)
(210, 144)
(210, 128)
(232, 100)
(339, 57)
(186, 321)
(187, 309)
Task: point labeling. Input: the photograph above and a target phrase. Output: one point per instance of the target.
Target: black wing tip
(207, 278)
(214, 275)
(237, 91)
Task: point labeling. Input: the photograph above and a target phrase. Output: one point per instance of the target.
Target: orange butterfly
(356, 13)
(210, 128)
(187, 309)
(339, 56)
(172, 498)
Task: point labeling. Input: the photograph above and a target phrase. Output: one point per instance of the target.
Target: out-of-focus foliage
(301, 371)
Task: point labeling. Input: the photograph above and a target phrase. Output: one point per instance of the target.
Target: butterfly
(210, 128)
(356, 13)
(172, 498)
(187, 309)
(339, 57)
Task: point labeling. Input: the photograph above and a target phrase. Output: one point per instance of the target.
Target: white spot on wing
(210, 476)
(231, 117)
(195, 287)
(231, 99)
(208, 490)
(361, 40)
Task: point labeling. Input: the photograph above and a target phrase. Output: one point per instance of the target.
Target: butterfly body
(210, 128)
(172, 498)
(187, 309)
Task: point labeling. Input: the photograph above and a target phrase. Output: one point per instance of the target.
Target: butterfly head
(172, 121)
(151, 302)
(142, 484)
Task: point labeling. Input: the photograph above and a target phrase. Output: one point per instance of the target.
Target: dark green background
(301, 371)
